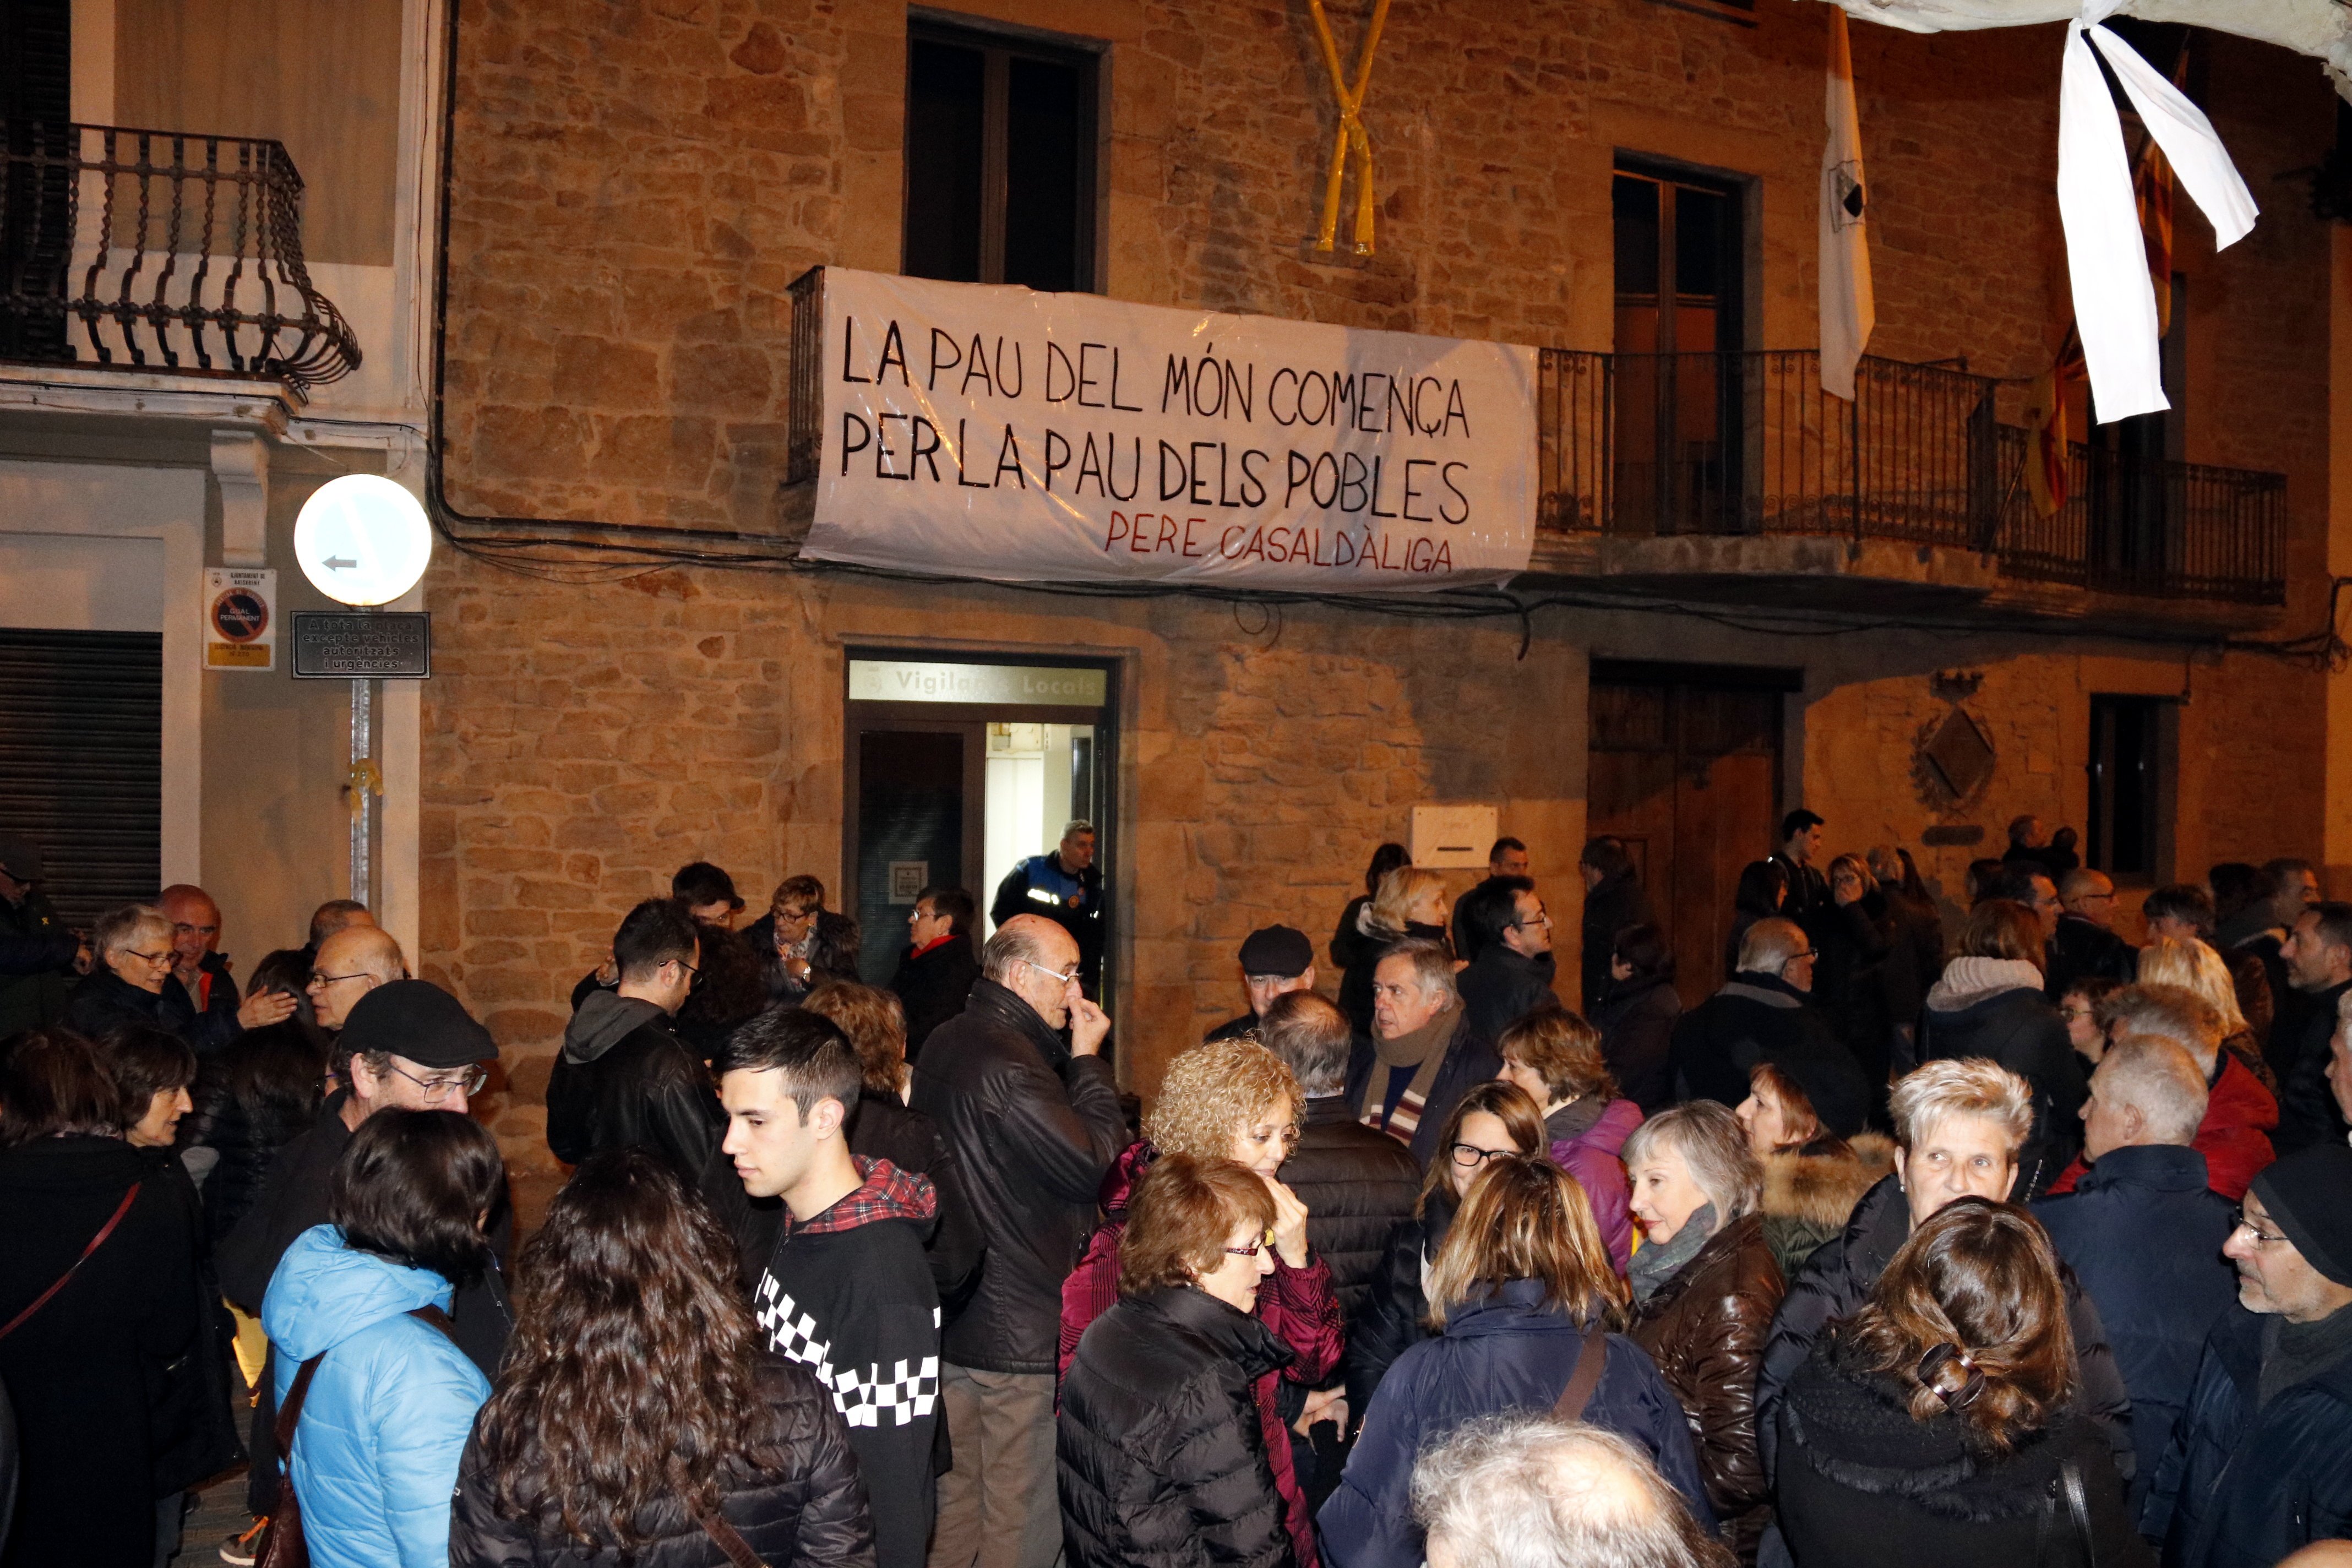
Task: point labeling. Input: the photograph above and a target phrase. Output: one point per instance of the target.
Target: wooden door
(1688, 775)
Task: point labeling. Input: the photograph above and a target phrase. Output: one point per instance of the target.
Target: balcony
(160, 253)
(1733, 476)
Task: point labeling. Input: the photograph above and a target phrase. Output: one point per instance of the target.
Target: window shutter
(81, 763)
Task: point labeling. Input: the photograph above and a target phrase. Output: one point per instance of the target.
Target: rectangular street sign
(363, 645)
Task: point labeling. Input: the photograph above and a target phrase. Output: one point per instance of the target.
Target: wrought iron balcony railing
(1747, 443)
(159, 251)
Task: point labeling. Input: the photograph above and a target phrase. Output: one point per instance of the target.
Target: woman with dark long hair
(256, 1094)
(638, 1417)
(1942, 1424)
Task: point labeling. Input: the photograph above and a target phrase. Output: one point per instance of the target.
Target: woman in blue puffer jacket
(1527, 1291)
(375, 1451)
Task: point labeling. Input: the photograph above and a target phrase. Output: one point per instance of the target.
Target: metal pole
(362, 789)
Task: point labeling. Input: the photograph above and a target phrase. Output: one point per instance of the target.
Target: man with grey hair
(1066, 886)
(2144, 1232)
(1763, 1013)
(1423, 1056)
(1033, 1122)
(1534, 1491)
(2082, 946)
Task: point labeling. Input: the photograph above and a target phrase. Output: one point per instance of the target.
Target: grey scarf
(1654, 1266)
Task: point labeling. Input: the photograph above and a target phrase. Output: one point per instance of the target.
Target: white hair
(2159, 1077)
(1534, 1491)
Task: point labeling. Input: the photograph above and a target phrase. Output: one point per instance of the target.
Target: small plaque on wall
(1951, 833)
(908, 881)
(1446, 836)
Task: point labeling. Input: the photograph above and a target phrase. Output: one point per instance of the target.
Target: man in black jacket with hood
(845, 1291)
(623, 1076)
(1035, 1123)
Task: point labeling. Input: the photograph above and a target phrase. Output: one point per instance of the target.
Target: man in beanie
(2258, 1466)
(406, 1044)
(1275, 959)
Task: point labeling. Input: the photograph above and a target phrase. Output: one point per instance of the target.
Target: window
(2127, 779)
(1001, 159)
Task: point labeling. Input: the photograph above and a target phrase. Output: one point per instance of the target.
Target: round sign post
(362, 541)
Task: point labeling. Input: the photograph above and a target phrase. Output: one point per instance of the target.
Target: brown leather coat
(1706, 1328)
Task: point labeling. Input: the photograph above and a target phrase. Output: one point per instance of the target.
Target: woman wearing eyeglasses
(1523, 1287)
(1230, 1100)
(1494, 1118)
(1162, 1456)
(132, 951)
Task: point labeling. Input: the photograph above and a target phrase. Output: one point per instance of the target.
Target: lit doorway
(956, 774)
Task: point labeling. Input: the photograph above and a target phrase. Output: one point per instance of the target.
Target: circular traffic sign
(362, 540)
(240, 614)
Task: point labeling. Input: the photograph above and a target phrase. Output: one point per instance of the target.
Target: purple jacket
(1592, 1158)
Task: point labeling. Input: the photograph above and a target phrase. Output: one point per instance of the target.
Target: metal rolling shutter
(81, 762)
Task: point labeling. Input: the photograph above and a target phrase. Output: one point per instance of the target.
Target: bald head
(350, 963)
(196, 926)
(336, 915)
(1028, 956)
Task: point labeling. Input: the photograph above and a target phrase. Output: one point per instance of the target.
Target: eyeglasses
(1541, 918)
(1469, 1156)
(335, 979)
(163, 957)
(470, 1081)
(2262, 1237)
(1810, 953)
(1253, 1248)
(694, 981)
(1054, 975)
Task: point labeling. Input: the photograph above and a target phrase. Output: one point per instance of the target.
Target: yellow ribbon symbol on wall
(1350, 135)
(366, 780)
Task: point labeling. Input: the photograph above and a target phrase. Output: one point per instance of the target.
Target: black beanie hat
(2309, 1194)
(418, 1020)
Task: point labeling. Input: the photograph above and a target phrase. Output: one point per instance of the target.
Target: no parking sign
(241, 618)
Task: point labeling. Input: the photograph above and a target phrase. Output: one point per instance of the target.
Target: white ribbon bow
(2106, 260)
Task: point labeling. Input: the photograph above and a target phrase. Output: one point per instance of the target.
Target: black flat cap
(1277, 950)
(418, 1020)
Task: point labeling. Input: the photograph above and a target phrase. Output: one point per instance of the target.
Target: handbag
(96, 1242)
(1591, 1360)
(2067, 1490)
(282, 1545)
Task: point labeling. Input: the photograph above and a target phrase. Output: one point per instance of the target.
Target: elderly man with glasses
(405, 1045)
(1033, 1122)
(125, 987)
(2257, 1468)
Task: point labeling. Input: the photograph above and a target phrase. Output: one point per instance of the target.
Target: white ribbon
(2106, 260)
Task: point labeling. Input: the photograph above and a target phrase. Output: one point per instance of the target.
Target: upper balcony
(170, 257)
(1735, 477)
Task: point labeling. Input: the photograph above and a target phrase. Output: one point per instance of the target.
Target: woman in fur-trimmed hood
(1816, 1167)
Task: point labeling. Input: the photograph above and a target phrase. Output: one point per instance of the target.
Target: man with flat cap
(2258, 1465)
(1275, 959)
(405, 1045)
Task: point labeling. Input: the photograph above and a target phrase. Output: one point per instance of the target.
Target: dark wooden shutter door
(81, 762)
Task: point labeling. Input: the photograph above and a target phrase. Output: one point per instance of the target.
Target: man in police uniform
(1067, 888)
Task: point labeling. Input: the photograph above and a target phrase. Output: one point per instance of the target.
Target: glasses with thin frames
(1255, 1248)
(2241, 1220)
(468, 1082)
(1054, 975)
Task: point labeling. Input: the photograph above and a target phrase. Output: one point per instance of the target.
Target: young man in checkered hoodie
(846, 1291)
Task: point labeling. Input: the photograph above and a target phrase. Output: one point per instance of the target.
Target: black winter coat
(221, 998)
(102, 1376)
(2021, 1031)
(251, 1098)
(2143, 1234)
(1357, 1184)
(1032, 1130)
(1636, 1019)
(1159, 1448)
(2242, 1487)
(2308, 1113)
(37, 956)
(1755, 1017)
(1470, 1060)
(105, 1001)
(1501, 987)
(1616, 903)
(884, 1128)
(2084, 949)
(626, 1077)
(1865, 1486)
(1395, 1312)
(1837, 1279)
(814, 1513)
(1850, 979)
(933, 988)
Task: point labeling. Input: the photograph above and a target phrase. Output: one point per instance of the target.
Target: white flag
(1848, 312)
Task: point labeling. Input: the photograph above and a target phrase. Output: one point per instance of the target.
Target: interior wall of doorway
(1686, 768)
(958, 772)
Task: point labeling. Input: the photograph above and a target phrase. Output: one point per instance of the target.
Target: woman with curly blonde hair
(1230, 1100)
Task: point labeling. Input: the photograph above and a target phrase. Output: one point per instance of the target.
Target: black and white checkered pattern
(907, 1394)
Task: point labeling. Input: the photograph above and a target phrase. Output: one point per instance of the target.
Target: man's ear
(2135, 1122)
(825, 1117)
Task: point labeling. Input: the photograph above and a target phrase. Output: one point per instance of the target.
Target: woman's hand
(1289, 1224)
(264, 1008)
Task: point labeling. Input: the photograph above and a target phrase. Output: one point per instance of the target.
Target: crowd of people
(2035, 1246)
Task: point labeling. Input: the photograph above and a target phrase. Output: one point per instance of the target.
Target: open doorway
(959, 773)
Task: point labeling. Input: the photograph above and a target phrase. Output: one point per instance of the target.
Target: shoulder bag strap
(2070, 1481)
(728, 1538)
(437, 1317)
(1591, 1359)
(96, 1241)
(292, 1411)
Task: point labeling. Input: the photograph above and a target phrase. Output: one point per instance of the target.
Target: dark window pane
(1045, 158)
(1701, 224)
(944, 97)
(1636, 207)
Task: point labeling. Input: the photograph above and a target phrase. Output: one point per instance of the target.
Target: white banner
(986, 431)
